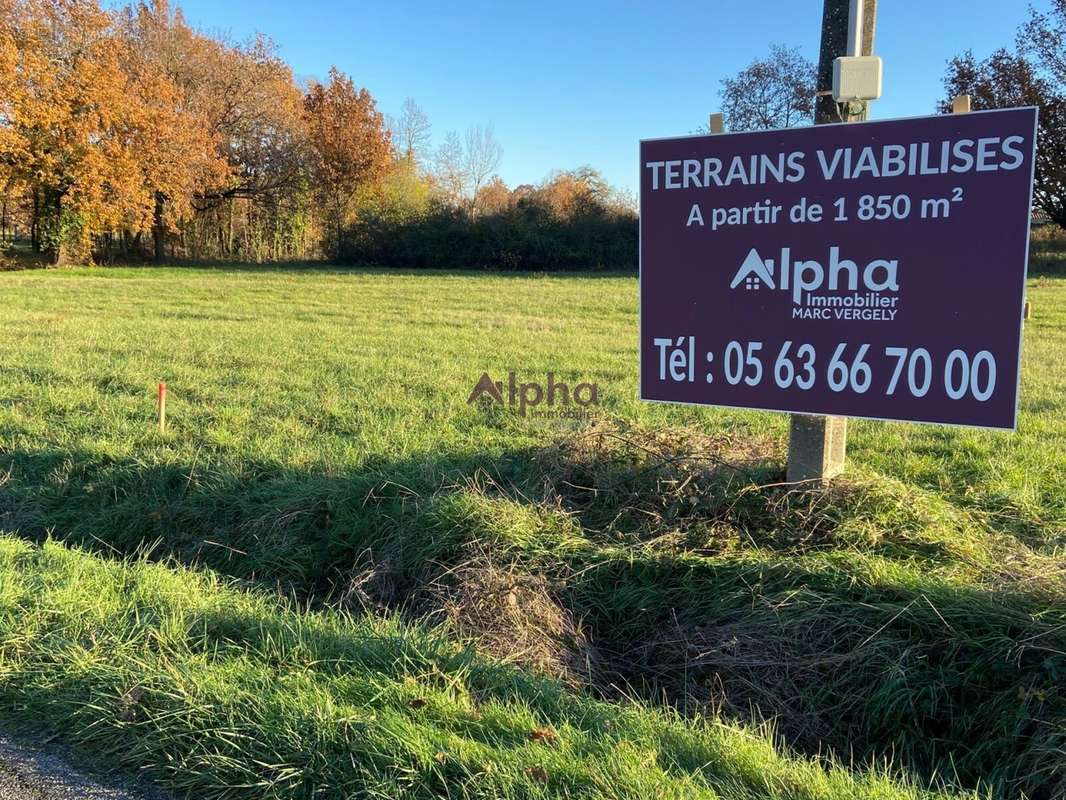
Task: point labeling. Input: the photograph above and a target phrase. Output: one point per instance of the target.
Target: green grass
(320, 445)
(222, 693)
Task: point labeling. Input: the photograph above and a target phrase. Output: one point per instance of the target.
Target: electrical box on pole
(856, 77)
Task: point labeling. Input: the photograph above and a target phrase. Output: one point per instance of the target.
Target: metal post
(817, 444)
(855, 28)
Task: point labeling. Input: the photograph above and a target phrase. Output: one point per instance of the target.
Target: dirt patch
(516, 618)
(511, 615)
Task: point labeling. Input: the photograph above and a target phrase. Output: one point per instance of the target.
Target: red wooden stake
(162, 408)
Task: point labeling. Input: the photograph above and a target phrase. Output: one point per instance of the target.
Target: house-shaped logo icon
(485, 387)
(754, 272)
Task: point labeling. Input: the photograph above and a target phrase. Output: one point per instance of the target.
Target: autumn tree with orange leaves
(131, 123)
(350, 144)
(94, 131)
(127, 133)
(251, 106)
(65, 110)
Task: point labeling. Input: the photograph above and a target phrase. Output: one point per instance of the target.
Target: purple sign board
(872, 269)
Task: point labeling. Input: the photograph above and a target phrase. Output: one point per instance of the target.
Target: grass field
(364, 585)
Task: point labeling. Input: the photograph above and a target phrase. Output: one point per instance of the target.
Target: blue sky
(573, 83)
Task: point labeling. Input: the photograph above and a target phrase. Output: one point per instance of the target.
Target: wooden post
(162, 402)
(817, 444)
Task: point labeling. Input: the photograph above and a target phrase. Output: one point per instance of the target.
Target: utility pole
(817, 444)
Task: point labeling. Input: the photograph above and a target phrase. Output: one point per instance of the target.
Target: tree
(178, 151)
(1008, 80)
(450, 169)
(1043, 38)
(494, 197)
(482, 158)
(773, 92)
(566, 192)
(132, 122)
(256, 110)
(84, 134)
(464, 165)
(351, 148)
(245, 92)
(410, 131)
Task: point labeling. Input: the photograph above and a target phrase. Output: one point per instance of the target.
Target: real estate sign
(872, 269)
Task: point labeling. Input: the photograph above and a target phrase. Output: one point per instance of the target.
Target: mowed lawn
(330, 371)
(336, 524)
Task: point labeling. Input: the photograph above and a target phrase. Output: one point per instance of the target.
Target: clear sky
(581, 82)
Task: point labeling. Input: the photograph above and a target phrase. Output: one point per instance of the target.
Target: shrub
(524, 236)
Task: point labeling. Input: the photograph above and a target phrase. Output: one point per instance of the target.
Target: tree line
(572, 221)
(1031, 73)
(127, 133)
(778, 91)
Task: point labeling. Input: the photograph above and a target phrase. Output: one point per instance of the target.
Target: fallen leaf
(546, 735)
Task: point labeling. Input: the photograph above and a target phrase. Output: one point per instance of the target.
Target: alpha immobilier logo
(558, 399)
(840, 290)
